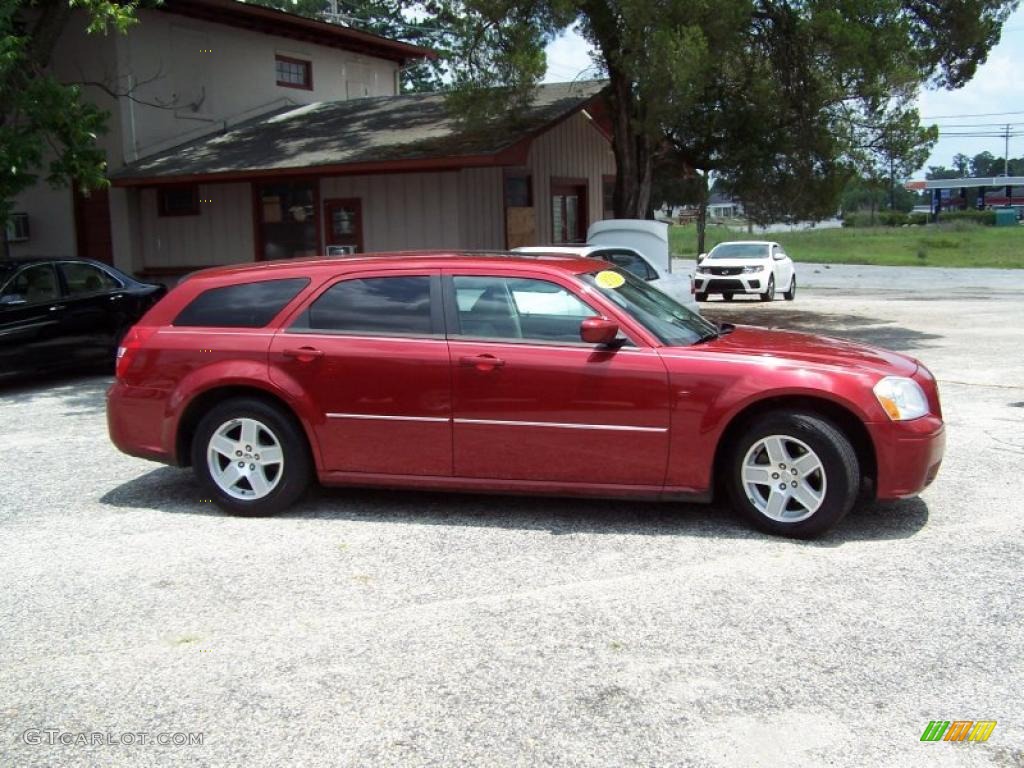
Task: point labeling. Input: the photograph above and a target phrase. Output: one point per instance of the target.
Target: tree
(46, 128)
(780, 87)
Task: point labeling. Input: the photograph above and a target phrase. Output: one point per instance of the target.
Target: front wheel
(791, 293)
(251, 457)
(769, 291)
(793, 474)
(700, 296)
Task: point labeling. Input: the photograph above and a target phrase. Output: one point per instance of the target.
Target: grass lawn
(945, 245)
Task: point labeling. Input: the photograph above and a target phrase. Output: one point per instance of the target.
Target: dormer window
(294, 73)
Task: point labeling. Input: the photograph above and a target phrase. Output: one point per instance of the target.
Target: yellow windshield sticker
(609, 279)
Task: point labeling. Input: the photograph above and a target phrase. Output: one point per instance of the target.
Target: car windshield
(739, 251)
(670, 321)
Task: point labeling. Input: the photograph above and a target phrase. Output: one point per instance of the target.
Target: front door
(371, 352)
(31, 312)
(531, 401)
(568, 212)
(92, 225)
(343, 226)
(94, 314)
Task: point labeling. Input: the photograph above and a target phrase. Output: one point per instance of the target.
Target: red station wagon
(510, 374)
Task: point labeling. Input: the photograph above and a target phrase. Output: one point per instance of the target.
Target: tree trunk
(702, 211)
(633, 161)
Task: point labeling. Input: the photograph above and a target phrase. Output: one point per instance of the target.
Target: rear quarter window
(248, 305)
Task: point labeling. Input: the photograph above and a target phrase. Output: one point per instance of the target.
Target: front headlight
(902, 399)
(757, 268)
(703, 270)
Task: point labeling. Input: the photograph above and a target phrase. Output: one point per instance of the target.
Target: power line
(975, 114)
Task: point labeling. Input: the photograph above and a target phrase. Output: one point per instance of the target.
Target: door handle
(303, 354)
(56, 307)
(115, 298)
(482, 362)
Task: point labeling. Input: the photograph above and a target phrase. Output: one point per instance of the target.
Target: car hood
(734, 262)
(805, 348)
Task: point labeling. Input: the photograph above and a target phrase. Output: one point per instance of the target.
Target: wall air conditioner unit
(341, 250)
(17, 228)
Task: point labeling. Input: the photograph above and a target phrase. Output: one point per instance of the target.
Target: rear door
(94, 309)
(369, 348)
(532, 401)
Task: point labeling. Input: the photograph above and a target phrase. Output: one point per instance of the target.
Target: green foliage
(884, 219)
(962, 245)
(47, 130)
(986, 218)
(783, 101)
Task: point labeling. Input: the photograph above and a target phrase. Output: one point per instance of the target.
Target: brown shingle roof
(359, 132)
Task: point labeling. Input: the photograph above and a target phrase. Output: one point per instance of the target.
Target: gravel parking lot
(385, 628)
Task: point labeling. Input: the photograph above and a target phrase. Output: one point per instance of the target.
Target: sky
(997, 87)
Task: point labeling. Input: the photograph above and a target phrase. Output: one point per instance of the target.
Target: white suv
(745, 267)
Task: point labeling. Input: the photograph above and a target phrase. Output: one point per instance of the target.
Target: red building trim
(281, 24)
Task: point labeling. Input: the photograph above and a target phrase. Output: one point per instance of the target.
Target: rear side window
(390, 306)
(249, 305)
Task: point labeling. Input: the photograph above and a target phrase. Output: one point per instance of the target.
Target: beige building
(240, 133)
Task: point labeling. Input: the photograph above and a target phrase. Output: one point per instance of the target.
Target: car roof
(746, 242)
(427, 259)
(21, 261)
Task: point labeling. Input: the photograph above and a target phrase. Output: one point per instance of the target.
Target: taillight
(133, 341)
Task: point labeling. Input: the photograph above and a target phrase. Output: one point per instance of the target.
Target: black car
(66, 313)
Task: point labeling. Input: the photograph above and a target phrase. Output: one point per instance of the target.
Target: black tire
(838, 462)
(769, 292)
(296, 470)
(700, 296)
(791, 293)
(726, 297)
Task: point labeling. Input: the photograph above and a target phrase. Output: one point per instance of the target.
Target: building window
(178, 201)
(17, 228)
(294, 73)
(288, 222)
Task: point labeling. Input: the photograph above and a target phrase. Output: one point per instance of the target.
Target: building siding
(403, 211)
(575, 148)
(222, 232)
(483, 208)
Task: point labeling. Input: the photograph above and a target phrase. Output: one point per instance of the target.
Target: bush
(882, 219)
(917, 219)
(986, 218)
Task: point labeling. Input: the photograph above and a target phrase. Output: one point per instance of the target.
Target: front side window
(32, 285)
(388, 306)
(518, 308)
(82, 279)
(662, 315)
(249, 305)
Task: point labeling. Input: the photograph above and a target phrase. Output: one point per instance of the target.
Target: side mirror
(780, 256)
(701, 257)
(599, 330)
(12, 300)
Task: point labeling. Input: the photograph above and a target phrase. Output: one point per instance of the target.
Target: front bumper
(756, 282)
(909, 455)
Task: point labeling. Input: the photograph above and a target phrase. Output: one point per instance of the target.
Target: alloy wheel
(245, 459)
(783, 478)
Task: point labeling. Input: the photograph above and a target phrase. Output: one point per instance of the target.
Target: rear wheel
(251, 457)
(769, 291)
(793, 474)
(791, 293)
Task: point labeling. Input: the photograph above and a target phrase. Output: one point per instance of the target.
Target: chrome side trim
(375, 417)
(561, 425)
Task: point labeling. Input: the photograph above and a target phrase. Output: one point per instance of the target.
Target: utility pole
(892, 182)
(1006, 151)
